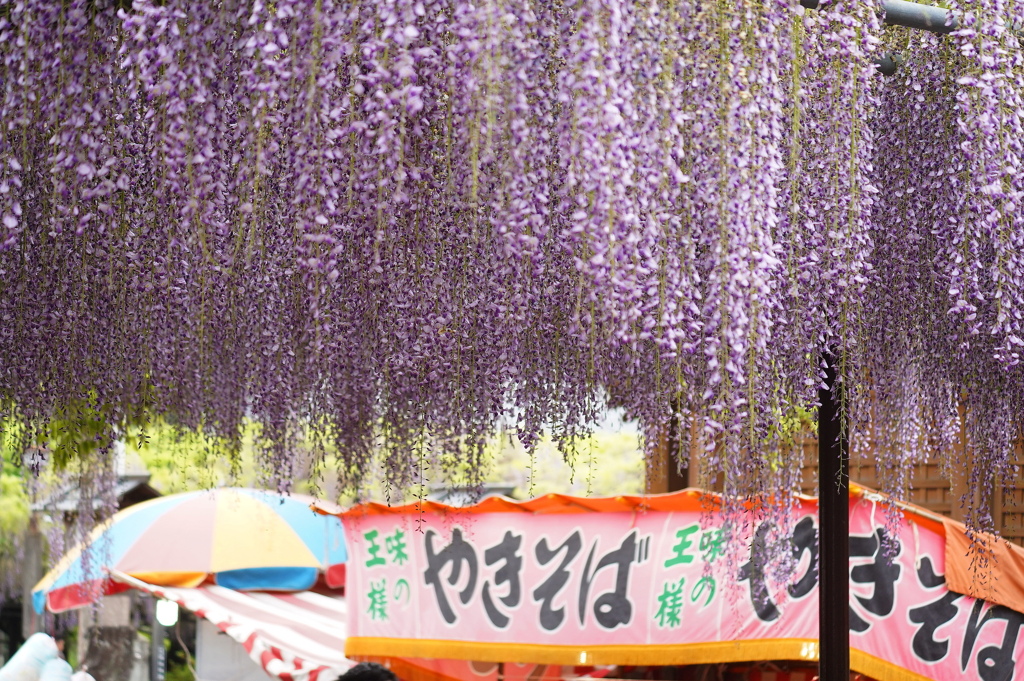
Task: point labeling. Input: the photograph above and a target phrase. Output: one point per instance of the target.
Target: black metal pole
(922, 17)
(910, 14)
(157, 653)
(833, 536)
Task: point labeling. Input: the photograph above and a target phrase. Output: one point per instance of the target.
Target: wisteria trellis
(388, 222)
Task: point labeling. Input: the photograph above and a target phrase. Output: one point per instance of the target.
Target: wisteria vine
(390, 226)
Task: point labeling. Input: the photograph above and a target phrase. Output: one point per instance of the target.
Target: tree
(13, 522)
(608, 463)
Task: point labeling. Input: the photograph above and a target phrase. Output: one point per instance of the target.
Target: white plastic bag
(56, 670)
(27, 664)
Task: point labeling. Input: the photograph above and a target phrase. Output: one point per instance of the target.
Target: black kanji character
(882, 573)
(612, 608)
(508, 552)
(805, 539)
(753, 571)
(551, 619)
(457, 553)
(932, 615)
(995, 663)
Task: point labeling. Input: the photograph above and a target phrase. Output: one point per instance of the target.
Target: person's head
(368, 671)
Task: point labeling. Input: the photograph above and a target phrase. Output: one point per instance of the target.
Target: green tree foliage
(13, 498)
(606, 464)
(13, 507)
(14, 516)
(182, 460)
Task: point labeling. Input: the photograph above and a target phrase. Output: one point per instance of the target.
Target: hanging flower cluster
(945, 341)
(393, 225)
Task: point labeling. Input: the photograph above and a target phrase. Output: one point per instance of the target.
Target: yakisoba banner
(634, 581)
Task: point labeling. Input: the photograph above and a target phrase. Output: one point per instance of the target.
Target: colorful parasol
(242, 539)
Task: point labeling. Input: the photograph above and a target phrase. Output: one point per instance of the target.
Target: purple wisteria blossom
(388, 227)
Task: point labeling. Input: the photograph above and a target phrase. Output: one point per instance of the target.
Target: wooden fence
(928, 488)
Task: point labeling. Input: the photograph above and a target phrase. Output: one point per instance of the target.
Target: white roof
(294, 636)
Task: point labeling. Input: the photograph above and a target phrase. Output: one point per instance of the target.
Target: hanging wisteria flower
(389, 227)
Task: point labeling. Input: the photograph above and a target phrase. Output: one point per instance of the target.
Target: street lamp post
(833, 532)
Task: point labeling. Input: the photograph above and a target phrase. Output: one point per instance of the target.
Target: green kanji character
(712, 545)
(671, 603)
(705, 582)
(680, 548)
(373, 549)
(395, 545)
(378, 600)
(402, 590)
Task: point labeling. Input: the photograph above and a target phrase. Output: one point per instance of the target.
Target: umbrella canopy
(243, 539)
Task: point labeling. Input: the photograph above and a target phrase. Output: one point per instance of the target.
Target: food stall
(644, 581)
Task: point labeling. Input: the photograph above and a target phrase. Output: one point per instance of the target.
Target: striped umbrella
(243, 539)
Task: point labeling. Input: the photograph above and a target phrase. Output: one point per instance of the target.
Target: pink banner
(650, 588)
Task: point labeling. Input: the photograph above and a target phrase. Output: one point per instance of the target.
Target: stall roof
(301, 636)
(690, 499)
(293, 636)
(997, 578)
